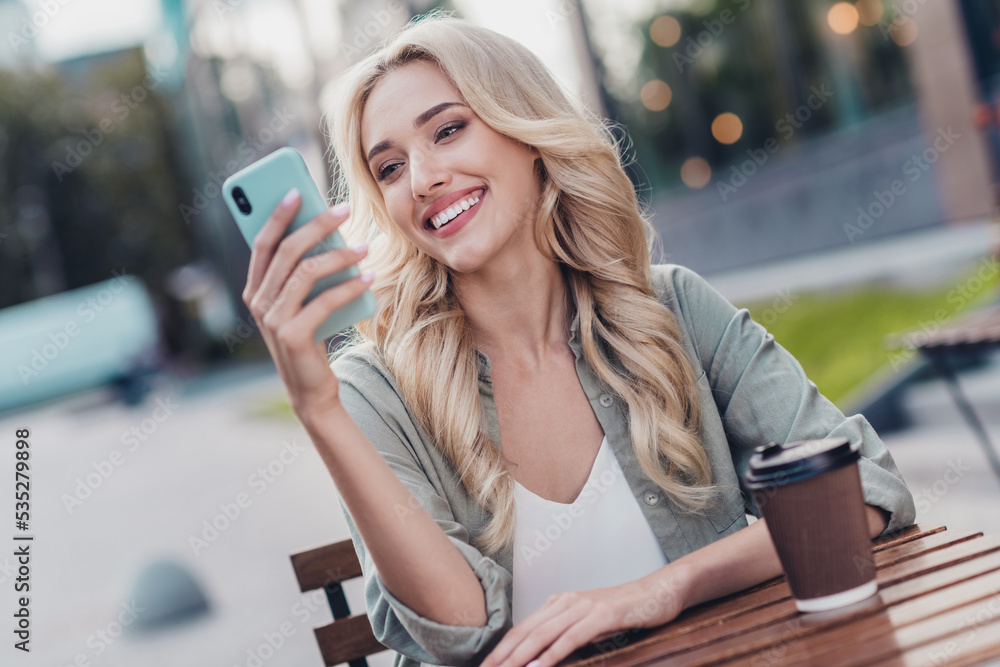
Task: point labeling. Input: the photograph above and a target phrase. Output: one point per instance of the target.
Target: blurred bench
(349, 638)
(105, 333)
(978, 331)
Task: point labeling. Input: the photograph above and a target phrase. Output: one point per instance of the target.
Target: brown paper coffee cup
(811, 497)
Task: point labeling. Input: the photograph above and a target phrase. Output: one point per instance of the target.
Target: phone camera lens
(241, 201)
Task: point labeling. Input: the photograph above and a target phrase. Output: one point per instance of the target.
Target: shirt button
(606, 400)
(651, 498)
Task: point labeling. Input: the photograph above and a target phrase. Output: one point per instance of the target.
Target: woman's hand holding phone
(278, 281)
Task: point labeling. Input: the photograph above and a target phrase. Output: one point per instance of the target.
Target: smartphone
(254, 192)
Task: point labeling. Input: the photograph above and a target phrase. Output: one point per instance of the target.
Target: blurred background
(831, 166)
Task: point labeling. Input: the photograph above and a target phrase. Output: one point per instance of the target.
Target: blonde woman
(538, 439)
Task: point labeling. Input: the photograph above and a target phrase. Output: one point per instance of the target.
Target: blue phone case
(263, 185)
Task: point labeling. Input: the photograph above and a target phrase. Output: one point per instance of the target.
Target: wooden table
(975, 332)
(938, 604)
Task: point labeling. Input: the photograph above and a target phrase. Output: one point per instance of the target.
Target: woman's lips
(455, 225)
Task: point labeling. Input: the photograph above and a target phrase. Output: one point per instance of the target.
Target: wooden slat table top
(938, 603)
(978, 328)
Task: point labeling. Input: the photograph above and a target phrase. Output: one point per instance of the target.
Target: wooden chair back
(348, 639)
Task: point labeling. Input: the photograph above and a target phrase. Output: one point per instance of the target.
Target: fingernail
(367, 276)
(360, 248)
(290, 198)
(341, 208)
(534, 663)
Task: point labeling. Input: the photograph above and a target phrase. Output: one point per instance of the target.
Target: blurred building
(19, 50)
(756, 131)
(766, 130)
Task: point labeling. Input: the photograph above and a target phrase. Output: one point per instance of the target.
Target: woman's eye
(445, 132)
(449, 130)
(387, 171)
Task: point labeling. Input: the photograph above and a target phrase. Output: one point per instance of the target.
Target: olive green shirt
(751, 389)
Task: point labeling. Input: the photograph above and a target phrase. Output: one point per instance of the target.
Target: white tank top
(601, 539)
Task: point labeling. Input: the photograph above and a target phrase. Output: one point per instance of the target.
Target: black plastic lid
(773, 464)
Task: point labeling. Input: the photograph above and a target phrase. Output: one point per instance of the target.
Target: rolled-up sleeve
(763, 395)
(381, 416)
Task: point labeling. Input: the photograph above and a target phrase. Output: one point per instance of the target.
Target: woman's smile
(453, 212)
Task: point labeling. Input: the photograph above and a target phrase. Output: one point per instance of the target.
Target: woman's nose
(427, 175)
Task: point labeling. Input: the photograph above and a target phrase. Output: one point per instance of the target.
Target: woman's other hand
(573, 619)
(278, 281)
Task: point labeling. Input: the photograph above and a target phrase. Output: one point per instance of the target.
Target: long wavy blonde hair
(588, 221)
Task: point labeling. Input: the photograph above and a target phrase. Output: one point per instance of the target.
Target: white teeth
(451, 212)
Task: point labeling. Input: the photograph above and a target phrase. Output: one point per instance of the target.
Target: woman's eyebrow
(418, 122)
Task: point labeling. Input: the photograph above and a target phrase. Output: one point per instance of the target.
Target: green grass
(839, 338)
(277, 408)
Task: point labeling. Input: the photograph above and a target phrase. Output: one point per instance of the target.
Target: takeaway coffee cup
(810, 494)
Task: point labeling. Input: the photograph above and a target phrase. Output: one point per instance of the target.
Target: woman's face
(433, 158)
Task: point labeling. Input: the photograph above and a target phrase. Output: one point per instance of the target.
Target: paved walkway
(187, 469)
(914, 257)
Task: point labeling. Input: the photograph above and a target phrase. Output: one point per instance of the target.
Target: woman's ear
(540, 174)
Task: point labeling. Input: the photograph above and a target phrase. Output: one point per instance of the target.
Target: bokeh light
(665, 31)
(982, 115)
(656, 95)
(869, 11)
(843, 18)
(727, 128)
(903, 31)
(696, 173)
